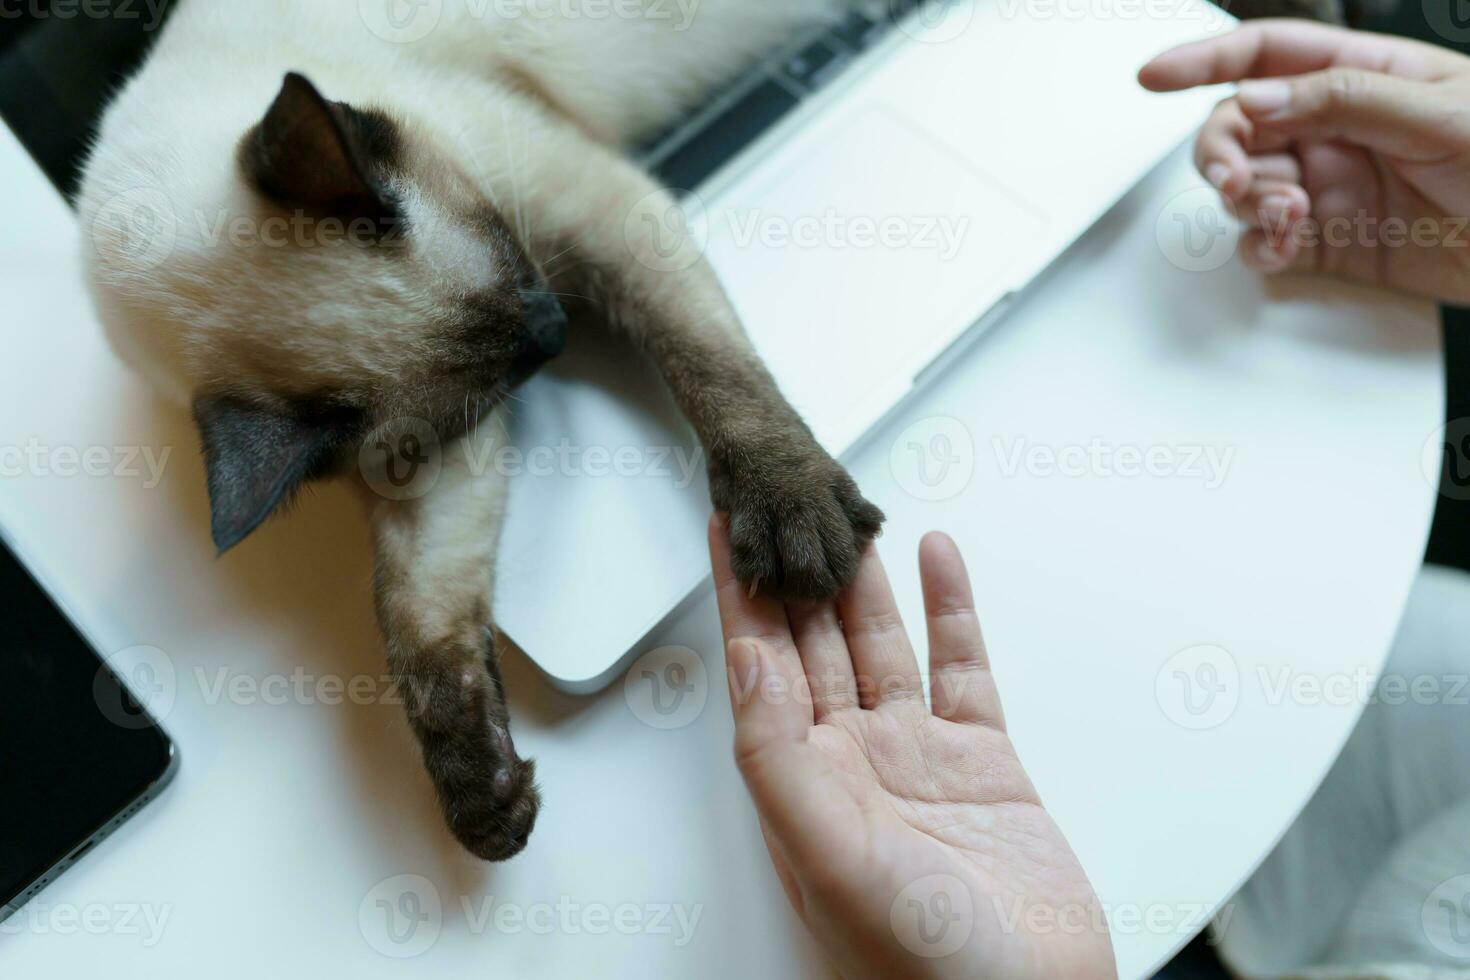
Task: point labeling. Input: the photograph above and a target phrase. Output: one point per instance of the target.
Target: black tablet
(78, 754)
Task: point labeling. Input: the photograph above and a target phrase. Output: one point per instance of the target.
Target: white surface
(886, 218)
(286, 816)
(1359, 885)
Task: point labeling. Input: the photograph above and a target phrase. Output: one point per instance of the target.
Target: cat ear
(310, 152)
(255, 458)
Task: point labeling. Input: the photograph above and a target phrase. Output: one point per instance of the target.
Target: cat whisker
(546, 266)
(548, 292)
(505, 430)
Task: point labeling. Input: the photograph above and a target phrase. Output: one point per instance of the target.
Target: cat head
(347, 275)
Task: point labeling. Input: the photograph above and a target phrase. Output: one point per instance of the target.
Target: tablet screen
(76, 750)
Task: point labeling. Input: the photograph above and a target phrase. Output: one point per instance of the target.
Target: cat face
(359, 281)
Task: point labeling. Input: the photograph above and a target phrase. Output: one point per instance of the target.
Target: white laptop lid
(861, 242)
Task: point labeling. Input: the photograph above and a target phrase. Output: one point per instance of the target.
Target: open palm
(909, 840)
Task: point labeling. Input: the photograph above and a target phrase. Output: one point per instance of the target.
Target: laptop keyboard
(688, 152)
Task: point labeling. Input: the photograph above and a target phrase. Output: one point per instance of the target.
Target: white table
(264, 857)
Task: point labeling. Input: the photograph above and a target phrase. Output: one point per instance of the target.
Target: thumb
(766, 697)
(794, 789)
(1385, 113)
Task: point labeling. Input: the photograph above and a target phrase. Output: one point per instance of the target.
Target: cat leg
(797, 520)
(435, 529)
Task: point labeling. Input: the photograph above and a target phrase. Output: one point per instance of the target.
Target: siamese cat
(315, 221)
(318, 223)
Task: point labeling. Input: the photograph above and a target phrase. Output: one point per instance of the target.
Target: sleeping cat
(356, 221)
(321, 222)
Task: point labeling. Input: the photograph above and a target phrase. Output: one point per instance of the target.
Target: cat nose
(544, 333)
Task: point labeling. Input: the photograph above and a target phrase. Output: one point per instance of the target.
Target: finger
(1267, 253)
(961, 685)
(1273, 48)
(1281, 168)
(882, 658)
(1274, 207)
(824, 657)
(743, 616)
(1220, 150)
(762, 681)
(1409, 119)
(796, 794)
(1229, 146)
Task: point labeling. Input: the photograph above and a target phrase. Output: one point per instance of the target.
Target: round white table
(1193, 505)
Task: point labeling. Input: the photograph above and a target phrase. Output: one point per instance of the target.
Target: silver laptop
(873, 198)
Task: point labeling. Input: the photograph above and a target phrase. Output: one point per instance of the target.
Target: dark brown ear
(257, 457)
(309, 152)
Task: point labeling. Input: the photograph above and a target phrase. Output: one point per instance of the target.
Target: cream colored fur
(171, 137)
(524, 113)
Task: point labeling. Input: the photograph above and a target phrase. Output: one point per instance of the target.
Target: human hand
(909, 840)
(1344, 153)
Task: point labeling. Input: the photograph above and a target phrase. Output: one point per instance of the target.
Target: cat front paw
(494, 822)
(487, 792)
(798, 523)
